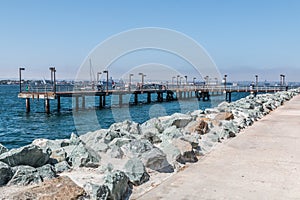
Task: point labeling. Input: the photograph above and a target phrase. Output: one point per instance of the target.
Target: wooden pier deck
(171, 94)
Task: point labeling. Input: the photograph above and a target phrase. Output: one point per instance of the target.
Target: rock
(74, 139)
(153, 124)
(137, 147)
(136, 172)
(3, 149)
(180, 120)
(116, 152)
(192, 139)
(62, 166)
(171, 132)
(52, 144)
(5, 173)
(28, 155)
(25, 175)
(97, 192)
(151, 136)
(224, 116)
(201, 127)
(224, 106)
(59, 155)
(117, 182)
(93, 137)
(211, 111)
(197, 113)
(59, 188)
(128, 126)
(156, 159)
(186, 151)
(83, 156)
(46, 172)
(120, 142)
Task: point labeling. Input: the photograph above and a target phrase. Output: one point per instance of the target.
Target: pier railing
(208, 88)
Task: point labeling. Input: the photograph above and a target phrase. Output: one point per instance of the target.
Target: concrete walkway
(262, 162)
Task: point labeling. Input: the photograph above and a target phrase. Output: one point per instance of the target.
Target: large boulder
(99, 192)
(117, 182)
(171, 133)
(224, 116)
(136, 172)
(62, 166)
(83, 156)
(137, 147)
(200, 126)
(128, 126)
(30, 155)
(25, 175)
(59, 188)
(5, 173)
(3, 149)
(180, 151)
(46, 172)
(156, 159)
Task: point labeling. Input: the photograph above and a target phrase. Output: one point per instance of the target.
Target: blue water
(18, 128)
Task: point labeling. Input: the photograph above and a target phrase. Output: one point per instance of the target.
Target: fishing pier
(164, 94)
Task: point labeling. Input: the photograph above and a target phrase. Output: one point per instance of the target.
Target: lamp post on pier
(256, 81)
(180, 80)
(129, 84)
(177, 80)
(194, 80)
(185, 79)
(173, 80)
(106, 71)
(143, 75)
(20, 77)
(53, 81)
(225, 83)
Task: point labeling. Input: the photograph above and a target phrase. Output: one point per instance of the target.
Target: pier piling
(27, 105)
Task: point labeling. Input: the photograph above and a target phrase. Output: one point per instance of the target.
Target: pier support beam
(27, 105)
(135, 98)
(148, 97)
(83, 102)
(47, 106)
(100, 102)
(104, 101)
(120, 100)
(58, 104)
(76, 102)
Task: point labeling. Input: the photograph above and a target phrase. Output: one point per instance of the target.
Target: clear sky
(243, 37)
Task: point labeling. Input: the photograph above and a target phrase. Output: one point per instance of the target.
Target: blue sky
(243, 38)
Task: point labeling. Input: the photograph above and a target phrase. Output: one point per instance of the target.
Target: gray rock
(83, 156)
(136, 172)
(197, 113)
(152, 136)
(128, 126)
(152, 124)
(46, 172)
(97, 192)
(74, 139)
(3, 149)
(156, 159)
(25, 175)
(180, 120)
(117, 182)
(52, 144)
(28, 155)
(137, 147)
(5, 173)
(192, 139)
(93, 137)
(171, 132)
(180, 151)
(116, 152)
(58, 155)
(120, 142)
(62, 166)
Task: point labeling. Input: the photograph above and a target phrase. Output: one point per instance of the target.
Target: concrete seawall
(262, 162)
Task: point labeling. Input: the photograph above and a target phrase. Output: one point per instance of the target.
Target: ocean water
(18, 128)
